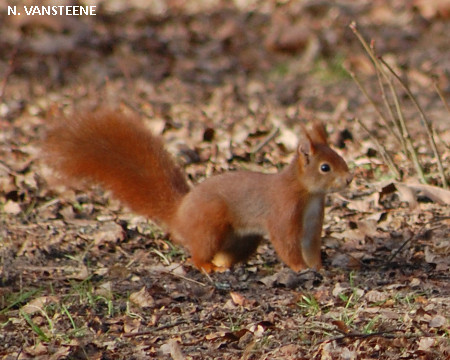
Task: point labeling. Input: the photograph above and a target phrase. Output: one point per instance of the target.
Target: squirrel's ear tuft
(318, 134)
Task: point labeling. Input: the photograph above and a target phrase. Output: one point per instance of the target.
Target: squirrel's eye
(325, 168)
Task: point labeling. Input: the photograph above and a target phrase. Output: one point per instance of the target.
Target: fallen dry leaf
(108, 232)
(437, 321)
(37, 350)
(375, 296)
(142, 298)
(131, 325)
(173, 348)
(39, 304)
(238, 299)
(439, 195)
(426, 343)
(12, 208)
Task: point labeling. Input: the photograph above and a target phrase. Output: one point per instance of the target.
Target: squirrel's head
(322, 169)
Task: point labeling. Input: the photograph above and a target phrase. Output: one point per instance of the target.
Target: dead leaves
(142, 298)
(222, 87)
(430, 9)
(12, 208)
(173, 348)
(37, 305)
(42, 351)
(438, 321)
(410, 192)
(388, 221)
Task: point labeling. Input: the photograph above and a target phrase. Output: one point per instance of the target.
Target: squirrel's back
(120, 153)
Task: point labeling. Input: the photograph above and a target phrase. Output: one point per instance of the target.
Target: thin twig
(406, 142)
(374, 105)
(387, 104)
(161, 255)
(19, 353)
(136, 109)
(402, 246)
(383, 152)
(441, 95)
(405, 132)
(159, 328)
(386, 334)
(266, 140)
(426, 122)
(186, 278)
(376, 64)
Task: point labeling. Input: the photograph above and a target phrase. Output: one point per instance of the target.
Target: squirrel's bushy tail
(120, 153)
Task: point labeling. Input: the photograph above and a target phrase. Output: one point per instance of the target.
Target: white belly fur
(312, 218)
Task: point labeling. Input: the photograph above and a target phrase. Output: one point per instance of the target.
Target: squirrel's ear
(305, 147)
(318, 134)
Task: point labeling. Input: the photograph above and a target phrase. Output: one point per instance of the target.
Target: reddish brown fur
(122, 155)
(223, 219)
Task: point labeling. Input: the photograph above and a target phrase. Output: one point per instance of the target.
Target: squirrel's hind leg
(204, 230)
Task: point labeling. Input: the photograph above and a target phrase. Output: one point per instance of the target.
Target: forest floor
(227, 84)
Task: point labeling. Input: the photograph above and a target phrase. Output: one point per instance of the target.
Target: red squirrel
(220, 221)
